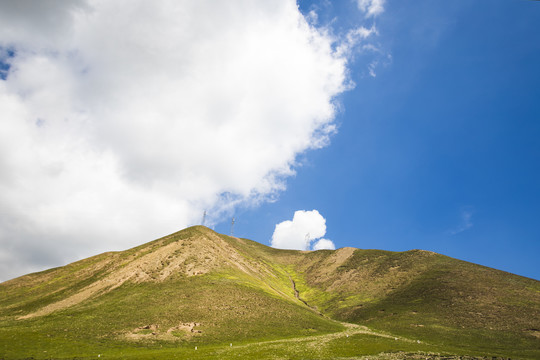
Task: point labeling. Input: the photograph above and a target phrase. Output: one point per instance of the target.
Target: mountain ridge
(199, 287)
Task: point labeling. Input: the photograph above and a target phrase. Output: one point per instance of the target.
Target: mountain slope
(430, 296)
(200, 288)
(193, 276)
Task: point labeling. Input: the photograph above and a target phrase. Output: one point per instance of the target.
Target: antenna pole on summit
(232, 226)
(203, 218)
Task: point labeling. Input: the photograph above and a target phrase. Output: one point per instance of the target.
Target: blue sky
(124, 121)
(440, 150)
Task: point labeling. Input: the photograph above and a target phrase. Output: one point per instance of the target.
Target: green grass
(309, 347)
(450, 306)
(227, 312)
(462, 307)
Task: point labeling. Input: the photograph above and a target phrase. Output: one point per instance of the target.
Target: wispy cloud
(353, 38)
(466, 221)
(362, 39)
(371, 8)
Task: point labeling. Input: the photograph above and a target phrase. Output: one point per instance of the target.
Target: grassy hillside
(199, 289)
(424, 295)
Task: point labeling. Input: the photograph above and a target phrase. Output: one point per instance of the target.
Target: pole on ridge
(203, 218)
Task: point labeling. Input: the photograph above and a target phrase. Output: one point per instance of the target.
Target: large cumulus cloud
(123, 120)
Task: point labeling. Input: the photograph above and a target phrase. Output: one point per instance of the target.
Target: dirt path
(317, 341)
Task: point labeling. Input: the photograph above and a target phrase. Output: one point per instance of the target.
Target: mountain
(199, 294)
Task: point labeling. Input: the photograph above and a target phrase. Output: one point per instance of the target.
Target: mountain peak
(227, 288)
(194, 251)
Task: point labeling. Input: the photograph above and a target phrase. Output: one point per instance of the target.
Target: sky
(375, 124)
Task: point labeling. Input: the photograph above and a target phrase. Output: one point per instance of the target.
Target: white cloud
(353, 37)
(298, 234)
(324, 244)
(371, 7)
(123, 120)
(371, 67)
(38, 25)
(466, 221)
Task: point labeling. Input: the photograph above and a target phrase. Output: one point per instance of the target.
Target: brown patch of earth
(175, 333)
(194, 256)
(533, 332)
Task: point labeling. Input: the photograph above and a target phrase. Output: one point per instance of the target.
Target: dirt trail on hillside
(318, 341)
(297, 296)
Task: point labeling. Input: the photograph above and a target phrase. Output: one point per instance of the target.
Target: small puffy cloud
(298, 234)
(324, 244)
(371, 7)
